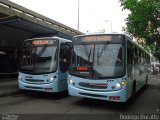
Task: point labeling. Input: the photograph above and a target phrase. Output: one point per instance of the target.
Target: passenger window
(130, 54)
(135, 56)
(140, 57)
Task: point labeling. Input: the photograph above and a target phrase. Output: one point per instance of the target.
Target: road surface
(30, 102)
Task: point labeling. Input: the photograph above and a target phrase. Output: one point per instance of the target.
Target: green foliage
(143, 21)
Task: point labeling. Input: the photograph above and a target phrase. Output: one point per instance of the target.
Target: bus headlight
(118, 85)
(70, 81)
(19, 78)
(52, 79)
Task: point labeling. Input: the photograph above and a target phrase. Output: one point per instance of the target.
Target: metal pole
(111, 26)
(78, 15)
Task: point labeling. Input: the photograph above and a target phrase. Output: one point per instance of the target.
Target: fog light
(113, 87)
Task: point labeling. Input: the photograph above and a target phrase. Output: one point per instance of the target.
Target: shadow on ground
(45, 95)
(113, 106)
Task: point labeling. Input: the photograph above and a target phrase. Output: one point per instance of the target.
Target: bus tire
(146, 84)
(133, 93)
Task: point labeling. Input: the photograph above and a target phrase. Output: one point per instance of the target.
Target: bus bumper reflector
(48, 89)
(114, 97)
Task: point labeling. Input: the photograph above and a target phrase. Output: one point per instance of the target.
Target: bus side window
(129, 53)
(136, 56)
(65, 55)
(139, 57)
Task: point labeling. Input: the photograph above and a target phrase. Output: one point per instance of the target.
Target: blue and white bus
(44, 63)
(108, 67)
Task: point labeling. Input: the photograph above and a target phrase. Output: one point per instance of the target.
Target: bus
(108, 67)
(44, 63)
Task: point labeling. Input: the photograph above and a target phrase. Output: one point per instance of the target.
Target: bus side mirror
(65, 55)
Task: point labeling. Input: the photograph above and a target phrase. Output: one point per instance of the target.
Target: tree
(143, 23)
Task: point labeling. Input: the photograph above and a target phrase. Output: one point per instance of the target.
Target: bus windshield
(39, 56)
(100, 59)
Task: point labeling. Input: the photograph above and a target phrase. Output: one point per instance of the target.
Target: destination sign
(40, 42)
(90, 39)
(97, 38)
(82, 68)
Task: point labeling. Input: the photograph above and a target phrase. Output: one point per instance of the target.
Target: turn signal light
(122, 83)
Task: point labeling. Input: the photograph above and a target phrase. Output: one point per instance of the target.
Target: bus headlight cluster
(52, 79)
(70, 81)
(19, 78)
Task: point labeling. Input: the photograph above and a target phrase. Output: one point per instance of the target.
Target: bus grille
(34, 80)
(93, 85)
(31, 87)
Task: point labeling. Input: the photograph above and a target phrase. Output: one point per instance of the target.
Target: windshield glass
(104, 59)
(39, 58)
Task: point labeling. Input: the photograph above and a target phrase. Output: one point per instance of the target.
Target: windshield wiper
(98, 57)
(42, 50)
(85, 49)
(89, 55)
(99, 54)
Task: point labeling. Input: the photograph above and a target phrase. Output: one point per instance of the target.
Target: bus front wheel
(133, 93)
(146, 84)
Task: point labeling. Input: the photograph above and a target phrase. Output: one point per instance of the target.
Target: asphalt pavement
(28, 104)
(8, 86)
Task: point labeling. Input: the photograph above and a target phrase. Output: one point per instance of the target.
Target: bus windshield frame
(98, 59)
(39, 56)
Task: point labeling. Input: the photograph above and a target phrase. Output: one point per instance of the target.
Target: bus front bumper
(116, 96)
(51, 87)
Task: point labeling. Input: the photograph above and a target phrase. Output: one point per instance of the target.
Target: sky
(94, 15)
